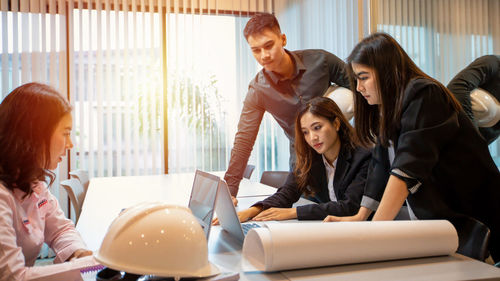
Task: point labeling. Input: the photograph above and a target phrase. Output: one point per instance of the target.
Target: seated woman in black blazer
(331, 169)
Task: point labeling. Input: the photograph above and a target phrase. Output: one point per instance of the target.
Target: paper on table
(66, 271)
(291, 246)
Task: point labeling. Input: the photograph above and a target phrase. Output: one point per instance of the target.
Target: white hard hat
(485, 107)
(344, 98)
(157, 239)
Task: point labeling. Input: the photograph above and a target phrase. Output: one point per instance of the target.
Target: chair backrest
(274, 178)
(473, 238)
(76, 194)
(248, 171)
(82, 176)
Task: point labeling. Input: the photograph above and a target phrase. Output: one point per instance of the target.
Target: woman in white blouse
(35, 129)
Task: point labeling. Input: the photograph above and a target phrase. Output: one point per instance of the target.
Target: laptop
(228, 217)
(203, 197)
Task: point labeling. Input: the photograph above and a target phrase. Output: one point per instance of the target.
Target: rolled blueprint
(283, 246)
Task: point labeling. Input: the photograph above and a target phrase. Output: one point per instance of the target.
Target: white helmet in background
(485, 107)
(157, 239)
(344, 98)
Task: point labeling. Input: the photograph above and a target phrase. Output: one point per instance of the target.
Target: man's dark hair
(259, 22)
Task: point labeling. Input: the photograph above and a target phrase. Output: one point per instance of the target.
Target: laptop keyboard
(247, 226)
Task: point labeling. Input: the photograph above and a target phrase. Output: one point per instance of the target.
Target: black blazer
(348, 182)
(443, 150)
(484, 72)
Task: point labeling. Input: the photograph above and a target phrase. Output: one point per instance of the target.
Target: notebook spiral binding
(94, 268)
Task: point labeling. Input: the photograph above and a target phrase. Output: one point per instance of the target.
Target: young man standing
(288, 80)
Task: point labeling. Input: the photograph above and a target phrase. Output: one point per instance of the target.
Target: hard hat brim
(209, 270)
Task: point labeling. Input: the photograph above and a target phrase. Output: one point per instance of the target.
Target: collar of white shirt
(330, 174)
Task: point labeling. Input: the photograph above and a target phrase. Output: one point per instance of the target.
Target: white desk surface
(106, 197)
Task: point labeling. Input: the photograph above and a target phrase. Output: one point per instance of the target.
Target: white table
(106, 197)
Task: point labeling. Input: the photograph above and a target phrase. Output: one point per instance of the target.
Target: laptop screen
(202, 200)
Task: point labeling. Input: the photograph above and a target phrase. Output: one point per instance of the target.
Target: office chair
(473, 239)
(274, 178)
(82, 176)
(248, 171)
(76, 194)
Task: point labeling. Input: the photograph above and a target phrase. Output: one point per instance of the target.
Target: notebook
(228, 218)
(203, 197)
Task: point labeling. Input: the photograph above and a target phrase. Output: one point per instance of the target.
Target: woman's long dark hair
(326, 108)
(28, 118)
(393, 70)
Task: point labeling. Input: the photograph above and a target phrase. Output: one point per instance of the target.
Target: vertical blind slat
(152, 100)
(134, 102)
(90, 92)
(35, 40)
(108, 90)
(71, 75)
(61, 19)
(145, 89)
(5, 49)
(162, 30)
(15, 44)
(117, 89)
(43, 36)
(25, 41)
(495, 26)
(98, 89)
(81, 89)
(53, 48)
(126, 91)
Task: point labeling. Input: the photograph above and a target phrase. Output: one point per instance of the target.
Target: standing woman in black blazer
(427, 150)
(331, 169)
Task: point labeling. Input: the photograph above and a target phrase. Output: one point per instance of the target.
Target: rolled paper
(284, 246)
